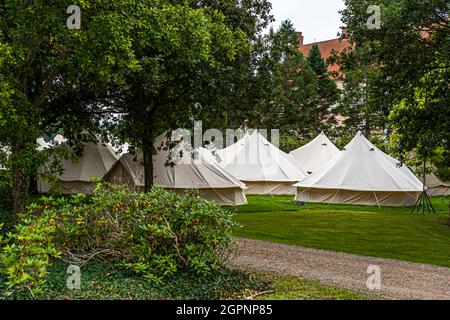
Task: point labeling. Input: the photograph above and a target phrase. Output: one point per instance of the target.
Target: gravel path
(399, 279)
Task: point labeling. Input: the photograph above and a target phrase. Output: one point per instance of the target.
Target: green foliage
(327, 92)
(102, 281)
(359, 106)
(316, 61)
(407, 74)
(154, 234)
(107, 282)
(5, 195)
(27, 252)
(50, 76)
(228, 93)
(421, 125)
(177, 47)
(289, 142)
(289, 84)
(298, 96)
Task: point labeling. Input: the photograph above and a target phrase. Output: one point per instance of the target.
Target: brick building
(326, 48)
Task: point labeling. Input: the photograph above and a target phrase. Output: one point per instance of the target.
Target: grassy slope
(387, 232)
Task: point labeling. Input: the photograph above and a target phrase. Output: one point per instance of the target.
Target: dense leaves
(327, 93)
(50, 76)
(404, 69)
(172, 49)
(155, 234)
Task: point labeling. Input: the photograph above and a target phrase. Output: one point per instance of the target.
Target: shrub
(154, 234)
(26, 256)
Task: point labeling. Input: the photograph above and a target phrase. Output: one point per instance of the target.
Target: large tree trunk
(148, 167)
(19, 180)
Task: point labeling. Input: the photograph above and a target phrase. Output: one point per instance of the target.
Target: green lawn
(383, 232)
(297, 288)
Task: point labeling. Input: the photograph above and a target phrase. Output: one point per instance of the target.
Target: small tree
(289, 101)
(410, 55)
(327, 92)
(41, 61)
(171, 48)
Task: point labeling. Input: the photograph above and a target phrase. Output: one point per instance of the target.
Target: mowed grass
(387, 232)
(286, 287)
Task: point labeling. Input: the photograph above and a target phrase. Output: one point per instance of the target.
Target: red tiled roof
(326, 47)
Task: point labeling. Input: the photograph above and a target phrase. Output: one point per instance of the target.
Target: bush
(154, 234)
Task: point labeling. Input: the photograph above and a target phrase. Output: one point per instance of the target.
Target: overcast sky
(318, 19)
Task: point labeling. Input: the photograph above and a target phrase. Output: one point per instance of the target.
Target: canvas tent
(226, 154)
(95, 161)
(120, 150)
(263, 167)
(192, 170)
(436, 186)
(361, 174)
(316, 153)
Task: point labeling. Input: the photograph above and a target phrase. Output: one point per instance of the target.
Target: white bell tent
(315, 154)
(263, 167)
(192, 170)
(436, 186)
(227, 154)
(361, 174)
(95, 161)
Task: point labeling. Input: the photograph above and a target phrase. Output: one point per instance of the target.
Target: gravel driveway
(399, 279)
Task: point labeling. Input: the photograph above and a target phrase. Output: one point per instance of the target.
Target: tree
(359, 106)
(229, 93)
(327, 92)
(172, 49)
(42, 61)
(411, 53)
(290, 83)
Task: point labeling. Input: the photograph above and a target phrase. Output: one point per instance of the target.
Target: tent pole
(424, 201)
(424, 176)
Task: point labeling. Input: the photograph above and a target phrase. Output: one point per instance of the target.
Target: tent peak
(315, 153)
